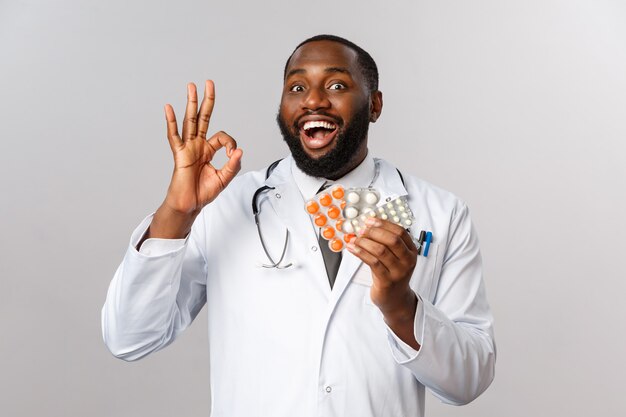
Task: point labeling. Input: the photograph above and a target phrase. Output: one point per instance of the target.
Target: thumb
(231, 167)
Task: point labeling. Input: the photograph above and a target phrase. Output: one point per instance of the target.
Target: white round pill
(347, 227)
(384, 216)
(398, 201)
(404, 215)
(351, 212)
(389, 205)
(401, 208)
(355, 222)
(396, 219)
(381, 210)
(408, 222)
(371, 198)
(392, 212)
(353, 197)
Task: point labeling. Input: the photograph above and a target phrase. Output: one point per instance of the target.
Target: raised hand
(390, 253)
(195, 181)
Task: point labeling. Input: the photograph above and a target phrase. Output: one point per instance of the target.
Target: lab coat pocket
(424, 279)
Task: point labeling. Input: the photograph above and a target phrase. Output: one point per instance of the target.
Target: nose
(316, 99)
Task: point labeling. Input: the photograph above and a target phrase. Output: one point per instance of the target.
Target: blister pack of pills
(341, 213)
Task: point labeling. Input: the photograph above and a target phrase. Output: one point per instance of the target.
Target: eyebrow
(326, 70)
(337, 69)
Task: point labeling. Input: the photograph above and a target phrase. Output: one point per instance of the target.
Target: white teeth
(318, 123)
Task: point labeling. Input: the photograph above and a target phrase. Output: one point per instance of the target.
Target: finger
(395, 229)
(221, 140)
(206, 108)
(172, 128)
(231, 167)
(381, 252)
(378, 268)
(190, 123)
(390, 237)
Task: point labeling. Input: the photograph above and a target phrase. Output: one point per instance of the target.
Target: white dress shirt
(281, 342)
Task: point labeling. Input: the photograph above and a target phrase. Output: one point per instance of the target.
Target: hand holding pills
(377, 235)
(391, 254)
(342, 212)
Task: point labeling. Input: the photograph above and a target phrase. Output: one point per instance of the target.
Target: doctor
(294, 339)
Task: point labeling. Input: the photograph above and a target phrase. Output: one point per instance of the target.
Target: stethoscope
(255, 211)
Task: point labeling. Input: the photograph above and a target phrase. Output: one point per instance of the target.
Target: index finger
(221, 140)
(206, 108)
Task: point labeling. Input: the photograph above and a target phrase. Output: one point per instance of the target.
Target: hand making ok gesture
(195, 182)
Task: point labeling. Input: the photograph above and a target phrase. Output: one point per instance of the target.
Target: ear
(376, 105)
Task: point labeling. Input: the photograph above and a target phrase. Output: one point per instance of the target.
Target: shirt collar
(361, 176)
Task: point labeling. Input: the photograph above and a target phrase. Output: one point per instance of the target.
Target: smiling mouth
(317, 134)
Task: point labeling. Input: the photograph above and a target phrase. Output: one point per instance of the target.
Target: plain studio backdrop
(519, 107)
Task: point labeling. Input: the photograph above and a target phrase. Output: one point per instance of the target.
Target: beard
(333, 164)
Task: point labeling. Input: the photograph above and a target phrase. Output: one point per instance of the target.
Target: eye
(337, 86)
(297, 88)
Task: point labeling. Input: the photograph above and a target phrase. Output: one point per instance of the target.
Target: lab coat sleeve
(155, 294)
(456, 360)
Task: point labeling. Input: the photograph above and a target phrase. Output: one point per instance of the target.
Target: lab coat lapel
(347, 268)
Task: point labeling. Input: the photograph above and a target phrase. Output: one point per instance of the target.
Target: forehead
(324, 54)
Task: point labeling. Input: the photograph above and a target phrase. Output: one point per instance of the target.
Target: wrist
(401, 310)
(171, 224)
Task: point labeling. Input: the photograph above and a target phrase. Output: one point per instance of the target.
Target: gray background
(518, 107)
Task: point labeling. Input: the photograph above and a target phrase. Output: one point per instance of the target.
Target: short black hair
(364, 60)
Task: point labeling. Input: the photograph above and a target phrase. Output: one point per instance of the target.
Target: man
(291, 338)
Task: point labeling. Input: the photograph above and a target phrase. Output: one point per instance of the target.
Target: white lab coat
(281, 343)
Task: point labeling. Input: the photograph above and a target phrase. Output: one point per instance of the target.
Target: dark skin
(195, 182)
(322, 77)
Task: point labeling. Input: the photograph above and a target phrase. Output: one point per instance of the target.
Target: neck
(354, 162)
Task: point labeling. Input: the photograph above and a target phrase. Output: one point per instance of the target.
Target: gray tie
(332, 260)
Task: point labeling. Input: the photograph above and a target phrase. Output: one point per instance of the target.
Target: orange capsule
(337, 192)
(339, 224)
(326, 200)
(342, 204)
(312, 207)
(335, 245)
(328, 232)
(320, 220)
(349, 237)
(333, 212)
